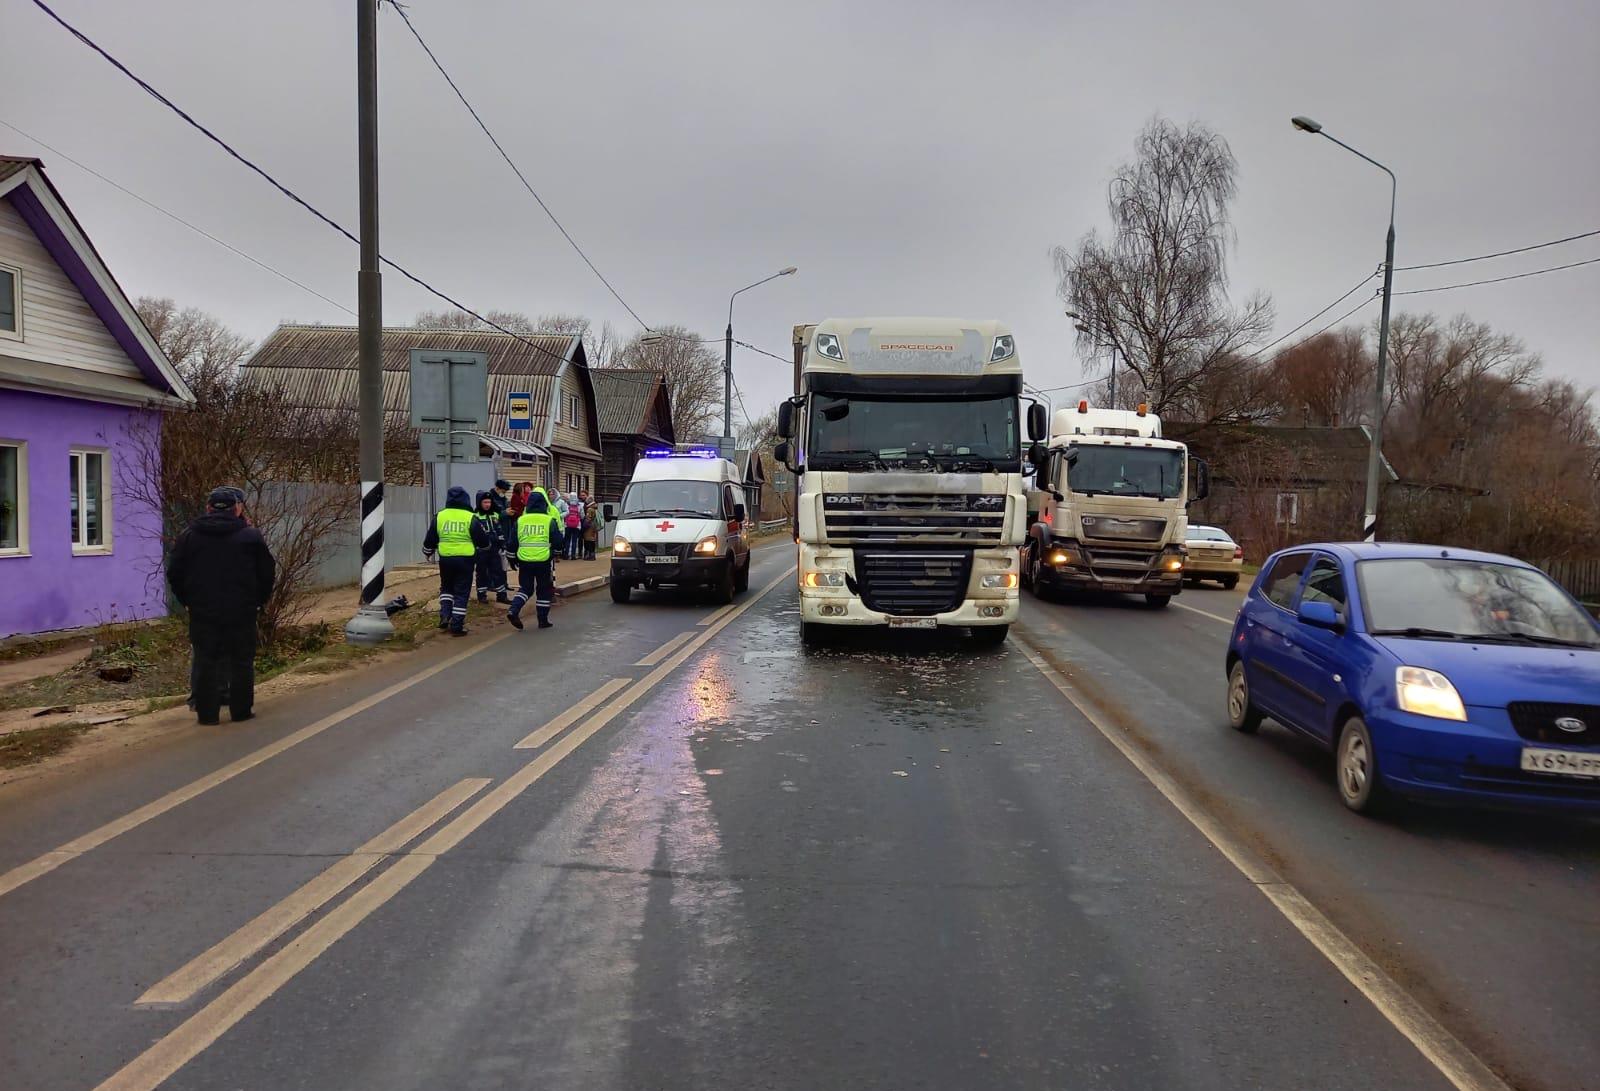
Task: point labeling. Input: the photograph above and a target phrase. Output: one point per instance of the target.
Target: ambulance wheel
(723, 587)
(741, 579)
(620, 589)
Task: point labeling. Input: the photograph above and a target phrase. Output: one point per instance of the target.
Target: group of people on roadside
(525, 527)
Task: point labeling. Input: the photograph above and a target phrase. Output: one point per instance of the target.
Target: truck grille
(1132, 529)
(1536, 720)
(1119, 564)
(920, 583)
(914, 518)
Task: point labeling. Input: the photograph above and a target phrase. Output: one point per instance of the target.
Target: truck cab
(1109, 511)
(681, 524)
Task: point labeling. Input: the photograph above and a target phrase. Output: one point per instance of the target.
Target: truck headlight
(999, 580)
(1427, 693)
(1064, 554)
(1004, 348)
(706, 545)
(621, 547)
(1172, 560)
(822, 579)
(828, 345)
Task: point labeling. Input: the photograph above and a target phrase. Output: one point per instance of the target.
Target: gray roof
(625, 398)
(1324, 455)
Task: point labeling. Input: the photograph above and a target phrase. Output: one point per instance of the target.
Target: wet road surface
(886, 863)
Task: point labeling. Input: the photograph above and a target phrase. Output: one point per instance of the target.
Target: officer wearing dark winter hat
(490, 565)
(539, 536)
(222, 572)
(456, 537)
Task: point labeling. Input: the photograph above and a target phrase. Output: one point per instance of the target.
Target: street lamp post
(1078, 324)
(727, 361)
(1369, 521)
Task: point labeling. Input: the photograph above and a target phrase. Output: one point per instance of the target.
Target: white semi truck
(905, 438)
(1109, 510)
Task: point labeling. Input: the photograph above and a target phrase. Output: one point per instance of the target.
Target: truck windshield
(905, 431)
(1126, 471)
(670, 498)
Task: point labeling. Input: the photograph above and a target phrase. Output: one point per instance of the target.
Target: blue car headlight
(1427, 693)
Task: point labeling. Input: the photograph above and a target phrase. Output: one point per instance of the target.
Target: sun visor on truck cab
(954, 386)
(872, 353)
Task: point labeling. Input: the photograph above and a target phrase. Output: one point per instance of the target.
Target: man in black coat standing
(222, 572)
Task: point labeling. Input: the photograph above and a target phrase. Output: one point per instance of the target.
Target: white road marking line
(665, 650)
(571, 715)
(1228, 621)
(195, 1034)
(1454, 1060)
(48, 862)
(716, 615)
(212, 964)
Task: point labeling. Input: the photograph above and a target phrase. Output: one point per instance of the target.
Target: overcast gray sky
(910, 157)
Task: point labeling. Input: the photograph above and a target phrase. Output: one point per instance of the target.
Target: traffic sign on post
(519, 412)
(449, 391)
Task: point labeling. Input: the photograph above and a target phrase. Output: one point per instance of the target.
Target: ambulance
(681, 524)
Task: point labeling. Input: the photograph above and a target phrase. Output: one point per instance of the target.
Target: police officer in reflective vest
(457, 537)
(538, 535)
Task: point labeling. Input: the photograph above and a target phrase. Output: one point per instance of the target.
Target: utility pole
(371, 624)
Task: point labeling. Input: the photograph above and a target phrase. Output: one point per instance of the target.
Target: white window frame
(572, 409)
(80, 482)
(21, 548)
(16, 299)
(1294, 509)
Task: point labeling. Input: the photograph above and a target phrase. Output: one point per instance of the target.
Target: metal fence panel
(407, 514)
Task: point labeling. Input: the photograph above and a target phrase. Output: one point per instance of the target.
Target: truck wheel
(620, 590)
(741, 579)
(1158, 602)
(1036, 577)
(990, 636)
(722, 587)
(813, 635)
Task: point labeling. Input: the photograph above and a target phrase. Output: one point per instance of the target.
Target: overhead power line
(279, 186)
(401, 11)
(764, 352)
(279, 273)
(1318, 315)
(1497, 280)
(1496, 254)
(1313, 336)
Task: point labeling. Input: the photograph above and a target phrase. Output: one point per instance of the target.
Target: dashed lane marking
(212, 964)
(197, 1033)
(1445, 1051)
(1205, 613)
(571, 715)
(665, 650)
(43, 865)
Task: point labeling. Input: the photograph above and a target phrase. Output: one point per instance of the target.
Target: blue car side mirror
(1321, 614)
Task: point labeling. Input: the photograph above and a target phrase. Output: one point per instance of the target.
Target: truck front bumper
(840, 605)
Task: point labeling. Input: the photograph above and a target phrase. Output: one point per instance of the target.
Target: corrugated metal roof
(624, 398)
(316, 367)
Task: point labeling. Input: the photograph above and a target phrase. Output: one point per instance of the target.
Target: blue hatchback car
(1431, 673)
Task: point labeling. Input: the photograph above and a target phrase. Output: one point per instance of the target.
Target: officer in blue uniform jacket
(539, 539)
(491, 569)
(456, 537)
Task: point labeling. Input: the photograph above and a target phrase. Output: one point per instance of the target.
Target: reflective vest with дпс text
(455, 533)
(533, 535)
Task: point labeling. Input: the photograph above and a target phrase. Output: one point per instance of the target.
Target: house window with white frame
(10, 302)
(13, 497)
(572, 410)
(1289, 508)
(90, 472)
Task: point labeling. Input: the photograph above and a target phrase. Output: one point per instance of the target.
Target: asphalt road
(885, 864)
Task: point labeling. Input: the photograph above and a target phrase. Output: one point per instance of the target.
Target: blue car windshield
(1444, 597)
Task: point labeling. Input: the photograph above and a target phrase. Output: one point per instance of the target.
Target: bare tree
(599, 347)
(509, 321)
(1326, 380)
(759, 434)
(197, 343)
(1157, 289)
(691, 370)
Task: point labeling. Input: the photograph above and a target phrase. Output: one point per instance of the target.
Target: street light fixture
(1369, 522)
(727, 359)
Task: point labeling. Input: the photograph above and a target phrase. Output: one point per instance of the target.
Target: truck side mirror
(1037, 454)
(1201, 472)
(1038, 426)
(786, 421)
(610, 511)
(782, 451)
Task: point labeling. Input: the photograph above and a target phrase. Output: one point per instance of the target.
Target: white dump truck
(905, 438)
(1109, 511)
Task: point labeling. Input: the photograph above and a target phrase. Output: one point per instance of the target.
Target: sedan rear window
(1208, 534)
(1454, 598)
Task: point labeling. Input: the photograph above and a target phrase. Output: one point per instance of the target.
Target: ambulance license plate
(661, 560)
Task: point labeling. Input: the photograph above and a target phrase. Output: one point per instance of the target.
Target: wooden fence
(1579, 576)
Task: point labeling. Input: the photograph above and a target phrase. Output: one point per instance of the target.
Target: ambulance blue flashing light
(682, 451)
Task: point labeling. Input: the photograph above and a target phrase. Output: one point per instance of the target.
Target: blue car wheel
(1243, 715)
(1356, 768)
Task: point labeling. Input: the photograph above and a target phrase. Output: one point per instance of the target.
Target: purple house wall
(78, 369)
(51, 587)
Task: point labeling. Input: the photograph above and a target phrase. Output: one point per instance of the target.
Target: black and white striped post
(371, 623)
